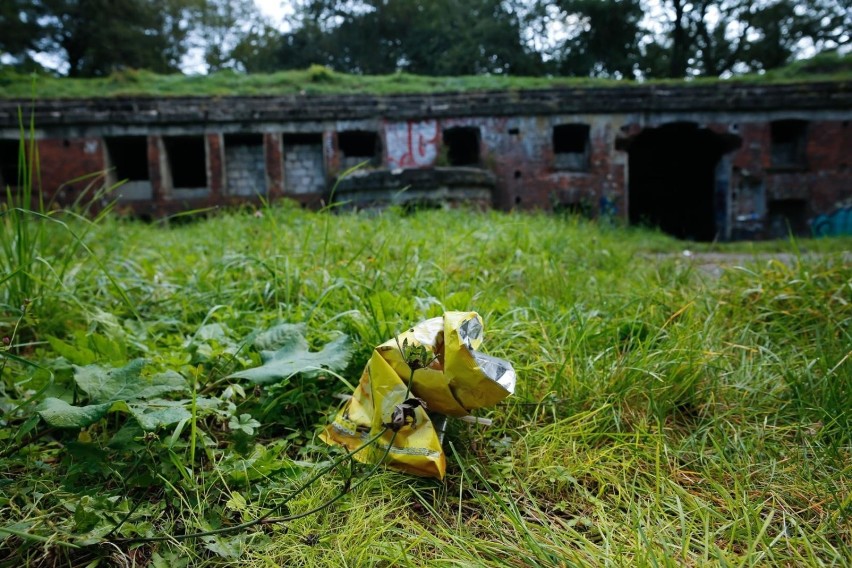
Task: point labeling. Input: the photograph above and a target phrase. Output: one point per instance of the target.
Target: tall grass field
(672, 409)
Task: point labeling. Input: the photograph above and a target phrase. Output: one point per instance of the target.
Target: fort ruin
(721, 161)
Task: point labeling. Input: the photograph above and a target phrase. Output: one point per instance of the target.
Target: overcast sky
(275, 10)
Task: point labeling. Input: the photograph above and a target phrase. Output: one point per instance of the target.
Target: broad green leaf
(156, 414)
(60, 414)
(294, 357)
(213, 331)
(282, 335)
(125, 383)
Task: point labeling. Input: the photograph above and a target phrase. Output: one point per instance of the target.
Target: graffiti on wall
(838, 222)
(412, 144)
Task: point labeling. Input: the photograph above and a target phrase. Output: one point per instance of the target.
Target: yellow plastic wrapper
(450, 377)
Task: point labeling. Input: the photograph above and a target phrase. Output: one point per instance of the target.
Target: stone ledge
(434, 186)
(204, 111)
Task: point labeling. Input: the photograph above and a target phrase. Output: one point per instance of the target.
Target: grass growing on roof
(664, 415)
(319, 80)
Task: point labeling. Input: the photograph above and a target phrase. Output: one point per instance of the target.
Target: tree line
(602, 38)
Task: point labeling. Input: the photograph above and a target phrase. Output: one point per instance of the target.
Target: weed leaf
(293, 355)
(120, 389)
(159, 413)
(282, 335)
(60, 414)
(125, 383)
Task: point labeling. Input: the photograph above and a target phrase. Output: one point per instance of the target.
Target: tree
(712, 38)
(19, 29)
(224, 28)
(434, 37)
(94, 37)
(602, 36)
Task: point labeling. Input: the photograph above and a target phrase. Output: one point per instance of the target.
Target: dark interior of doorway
(672, 182)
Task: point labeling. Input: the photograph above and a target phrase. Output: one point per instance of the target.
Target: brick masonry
(295, 151)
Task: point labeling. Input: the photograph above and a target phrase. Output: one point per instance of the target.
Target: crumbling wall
(520, 151)
(63, 160)
(554, 149)
(771, 199)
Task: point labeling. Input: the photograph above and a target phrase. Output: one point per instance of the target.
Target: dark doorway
(462, 144)
(672, 181)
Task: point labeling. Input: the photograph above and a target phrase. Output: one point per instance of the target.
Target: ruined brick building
(715, 161)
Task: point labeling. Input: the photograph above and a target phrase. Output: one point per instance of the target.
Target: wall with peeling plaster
(300, 156)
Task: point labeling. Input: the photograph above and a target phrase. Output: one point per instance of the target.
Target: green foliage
(666, 411)
(285, 353)
(95, 37)
(542, 38)
(123, 389)
(320, 74)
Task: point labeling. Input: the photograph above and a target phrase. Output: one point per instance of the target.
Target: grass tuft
(671, 409)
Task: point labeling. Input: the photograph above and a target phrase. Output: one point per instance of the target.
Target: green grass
(664, 415)
(320, 80)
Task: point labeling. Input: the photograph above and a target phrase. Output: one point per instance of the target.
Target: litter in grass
(411, 383)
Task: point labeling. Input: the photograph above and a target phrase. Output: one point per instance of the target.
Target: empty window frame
(187, 161)
(462, 145)
(9, 163)
(788, 143)
(129, 156)
(360, 145)
(571, 147)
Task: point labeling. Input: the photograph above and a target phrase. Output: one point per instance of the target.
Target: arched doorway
(675, 181)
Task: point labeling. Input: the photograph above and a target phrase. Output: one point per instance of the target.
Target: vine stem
(267, 518)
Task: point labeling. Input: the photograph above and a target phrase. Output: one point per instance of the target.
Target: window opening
(129, 156)
(462, 144)
(187, 161)
(571, 147)
(789, 140)
(9, 156)
(358, 145)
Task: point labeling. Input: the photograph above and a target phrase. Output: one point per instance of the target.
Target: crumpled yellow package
(448, 376)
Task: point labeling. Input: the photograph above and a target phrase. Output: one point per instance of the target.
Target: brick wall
(64, 159)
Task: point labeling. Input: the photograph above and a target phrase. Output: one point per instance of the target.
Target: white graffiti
(412, 144)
